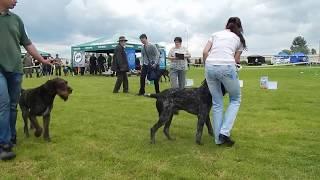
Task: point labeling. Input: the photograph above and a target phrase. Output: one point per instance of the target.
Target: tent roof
(105, 40)
(42, 53)
(107, 44)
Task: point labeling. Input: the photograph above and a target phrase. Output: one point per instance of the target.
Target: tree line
(299, 44)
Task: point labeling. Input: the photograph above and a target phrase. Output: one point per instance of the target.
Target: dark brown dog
(164, 73)
(39, 102)
(197, 101)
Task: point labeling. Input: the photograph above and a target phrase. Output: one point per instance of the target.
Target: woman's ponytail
(234, 25)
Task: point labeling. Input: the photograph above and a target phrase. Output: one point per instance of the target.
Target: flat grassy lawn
(97, 134)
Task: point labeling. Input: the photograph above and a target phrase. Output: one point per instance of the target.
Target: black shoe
(4, 155)
(6, 147)
(14, 140)
(140, 94)
(226, 140)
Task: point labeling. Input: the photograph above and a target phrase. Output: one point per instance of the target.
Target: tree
(299, 44)
(313, 51)
(287, 51)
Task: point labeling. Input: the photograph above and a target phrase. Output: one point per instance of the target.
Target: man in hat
(120, 66)
(12, 35)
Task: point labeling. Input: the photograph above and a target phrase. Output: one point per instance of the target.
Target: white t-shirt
(224, 45)
(180, 64)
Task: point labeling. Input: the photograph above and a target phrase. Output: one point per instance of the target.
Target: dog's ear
(49, 86)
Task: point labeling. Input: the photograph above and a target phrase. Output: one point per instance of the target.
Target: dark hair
(142, 36)
(178, 39)
(234, 24)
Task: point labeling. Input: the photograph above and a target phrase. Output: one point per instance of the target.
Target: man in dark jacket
(58, 63)
(27, 65)
(101, 62)
(120, 66)
(109, 61)
(93, 64)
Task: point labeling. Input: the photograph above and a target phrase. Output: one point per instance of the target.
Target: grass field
(100, 135)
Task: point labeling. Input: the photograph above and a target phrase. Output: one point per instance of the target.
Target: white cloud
(270, 26)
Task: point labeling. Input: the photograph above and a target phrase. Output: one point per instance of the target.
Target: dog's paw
(26, 132)
(38, 132)
(48, 139)
(199, 143)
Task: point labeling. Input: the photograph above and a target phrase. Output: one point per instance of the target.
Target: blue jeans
(228, 76)
(10, 87)
(177, 78)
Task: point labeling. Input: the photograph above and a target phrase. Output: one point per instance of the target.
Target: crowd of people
(31, 65)
(150, 55)
(220, 54)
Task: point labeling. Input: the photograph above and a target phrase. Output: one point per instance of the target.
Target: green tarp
(42, 53)
(106, 45)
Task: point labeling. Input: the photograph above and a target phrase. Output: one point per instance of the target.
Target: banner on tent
(162, 59)
(131, 55)
(79, 59)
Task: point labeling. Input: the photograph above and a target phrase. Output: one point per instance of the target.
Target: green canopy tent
(42, 53)
(105, 45)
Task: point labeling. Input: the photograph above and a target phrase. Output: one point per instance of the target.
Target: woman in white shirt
(221, 55)
(178, 64)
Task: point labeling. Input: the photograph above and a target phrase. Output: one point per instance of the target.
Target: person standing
(120, 65)
(221, 54)
(58, 63)
(101, 63)
(12, 35)
(37, 67)
(109, 61)
(27, 65)
(178, 65)
(93, 64)
(150, 59)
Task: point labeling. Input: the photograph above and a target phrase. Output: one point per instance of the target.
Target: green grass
(100, 135)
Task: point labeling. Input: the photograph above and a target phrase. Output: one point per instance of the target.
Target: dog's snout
(70, 89)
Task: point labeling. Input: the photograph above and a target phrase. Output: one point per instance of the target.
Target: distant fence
(313, 59)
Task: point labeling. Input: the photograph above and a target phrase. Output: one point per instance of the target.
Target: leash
(29, 67)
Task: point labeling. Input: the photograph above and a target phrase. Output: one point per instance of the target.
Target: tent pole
(319, 51)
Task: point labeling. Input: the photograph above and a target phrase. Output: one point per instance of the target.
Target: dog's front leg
(36, 125)
(164, 117)
(201, 121)
(209, 126)
(46, 122)
(167, 127)
(25, 116)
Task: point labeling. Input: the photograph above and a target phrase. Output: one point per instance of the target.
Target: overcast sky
(269, 26)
